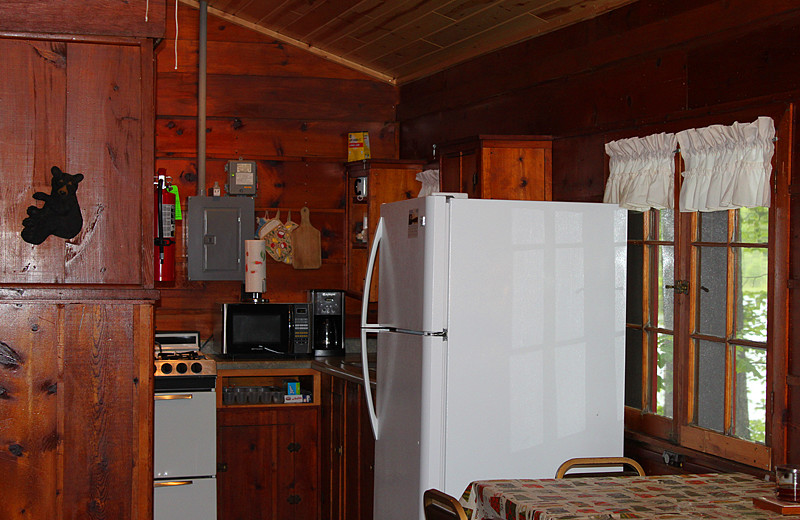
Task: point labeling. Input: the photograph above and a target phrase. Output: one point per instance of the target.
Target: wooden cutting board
(306, 244)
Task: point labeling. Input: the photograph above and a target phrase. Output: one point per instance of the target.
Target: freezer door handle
(373, 255)
(376, 242)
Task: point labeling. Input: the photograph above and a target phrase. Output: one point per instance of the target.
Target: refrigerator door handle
(373, 254)
(373, 417)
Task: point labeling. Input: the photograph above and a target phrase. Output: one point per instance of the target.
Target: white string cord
(176, 34)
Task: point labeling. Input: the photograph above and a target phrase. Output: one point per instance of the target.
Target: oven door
(185, 435)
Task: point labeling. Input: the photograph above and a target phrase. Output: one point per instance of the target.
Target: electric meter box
(216, 230)
(242, 179)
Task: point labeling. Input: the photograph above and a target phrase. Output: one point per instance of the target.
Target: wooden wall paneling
(31, 397)
(637, 29)
(763, 61)
(32, 109)
(76, 383)
(104, 143)
(288, 110)
(270, 96)
(592, 51)
(148, 153)
(264, 57)
(578, 172)
(142, 377)
(98, 455)
(277, 139)
(621, 94)
(101, 17)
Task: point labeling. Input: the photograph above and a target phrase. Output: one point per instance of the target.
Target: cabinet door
(268, 464)
(516, 173)
(75, 406)
(84, 108)
(349, 464)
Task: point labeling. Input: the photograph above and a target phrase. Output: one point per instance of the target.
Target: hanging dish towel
(278, 239)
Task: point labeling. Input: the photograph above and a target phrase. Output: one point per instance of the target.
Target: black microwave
(259, 330)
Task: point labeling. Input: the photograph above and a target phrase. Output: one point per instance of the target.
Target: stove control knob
(197, 368)
(181, 368)
(166, 368)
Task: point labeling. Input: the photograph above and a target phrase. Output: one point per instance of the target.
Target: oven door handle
(159, 397)
(173, 483)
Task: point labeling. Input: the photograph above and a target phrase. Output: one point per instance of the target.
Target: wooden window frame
(678, 430)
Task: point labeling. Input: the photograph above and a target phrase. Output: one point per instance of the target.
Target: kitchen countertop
(347, 366)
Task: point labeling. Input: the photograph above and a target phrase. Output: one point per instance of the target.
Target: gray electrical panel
(216, 230)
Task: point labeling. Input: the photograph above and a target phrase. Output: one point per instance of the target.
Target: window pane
(710, 385)
(751, 293)
(712, 291)
(666, 225)
(666, 276)
(751, 393)
(714, 226)
(633, 306)
(664, 375)
(633, 368)
(753, 225)
(635, 225)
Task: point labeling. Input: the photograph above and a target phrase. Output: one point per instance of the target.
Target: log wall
(283, 107)
(633, 71)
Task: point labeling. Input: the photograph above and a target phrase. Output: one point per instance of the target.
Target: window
(698, 338)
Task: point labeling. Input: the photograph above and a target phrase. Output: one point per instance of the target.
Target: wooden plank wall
(651, 66)
(286, 109)
(648, 64)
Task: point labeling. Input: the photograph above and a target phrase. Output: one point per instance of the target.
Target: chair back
(441, 506)
(598, 462)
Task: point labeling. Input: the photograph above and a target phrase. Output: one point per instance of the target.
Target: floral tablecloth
(709, 496)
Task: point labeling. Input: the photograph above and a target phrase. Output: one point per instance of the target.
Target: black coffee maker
(327, 322)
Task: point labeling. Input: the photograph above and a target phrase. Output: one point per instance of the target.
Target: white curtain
(727, 167)
(642, 172)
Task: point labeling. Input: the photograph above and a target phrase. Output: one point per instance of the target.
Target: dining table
(660, 497)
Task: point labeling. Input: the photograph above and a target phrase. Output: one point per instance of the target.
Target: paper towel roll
(255, 274)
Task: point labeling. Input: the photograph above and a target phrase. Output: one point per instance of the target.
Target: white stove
(184, 469)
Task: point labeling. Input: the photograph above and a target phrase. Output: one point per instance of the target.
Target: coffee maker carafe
(327, 319)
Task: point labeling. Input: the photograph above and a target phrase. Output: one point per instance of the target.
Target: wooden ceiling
(403, 40)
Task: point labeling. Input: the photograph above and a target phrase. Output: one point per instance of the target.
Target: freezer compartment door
(186, 499)
(410, 407)
(412, 274)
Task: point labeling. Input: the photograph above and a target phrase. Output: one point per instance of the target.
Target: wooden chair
(441, 506)
(584, 462)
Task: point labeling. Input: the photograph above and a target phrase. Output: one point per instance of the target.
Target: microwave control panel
(302, 326)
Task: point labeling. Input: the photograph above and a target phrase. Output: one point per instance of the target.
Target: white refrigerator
(500, 342)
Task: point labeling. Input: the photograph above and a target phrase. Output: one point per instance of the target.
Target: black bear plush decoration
(60, 215)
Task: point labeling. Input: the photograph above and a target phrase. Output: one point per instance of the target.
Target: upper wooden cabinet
(513, 167)
(86, 107)
(370, 184)
(98, 17)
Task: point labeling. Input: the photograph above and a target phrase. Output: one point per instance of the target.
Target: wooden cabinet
(348, 455)
(86, 107)
(268, 466)
(498, 167)
(381, 181)
(76, 398)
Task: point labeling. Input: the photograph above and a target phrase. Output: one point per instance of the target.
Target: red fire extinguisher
(164, 230)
